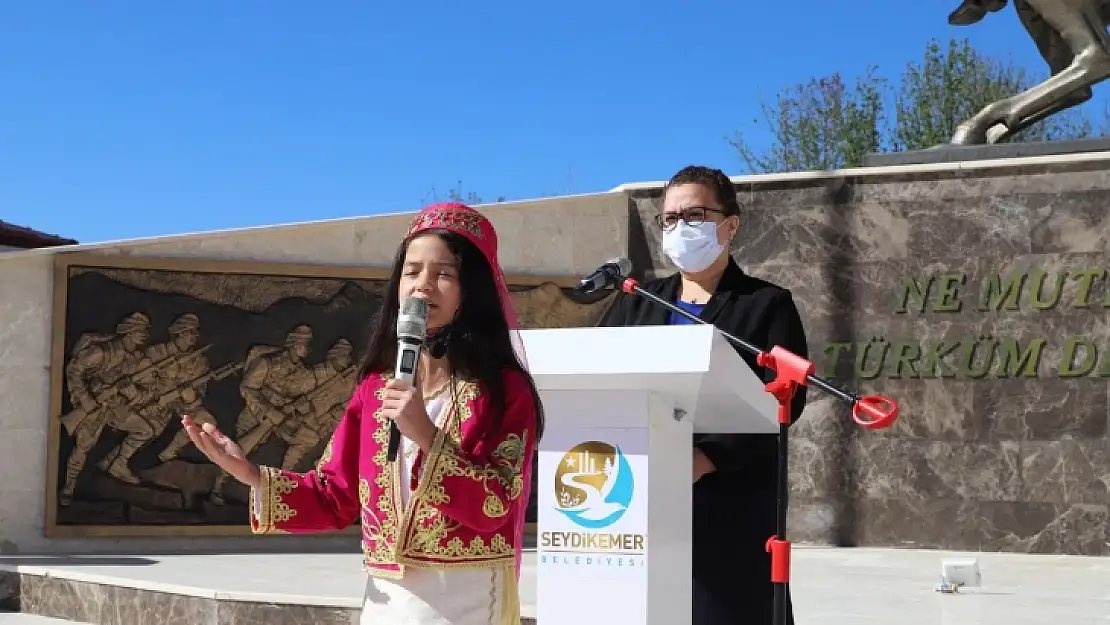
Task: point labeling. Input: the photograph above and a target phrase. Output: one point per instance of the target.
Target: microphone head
(412, 321)
(624, 266)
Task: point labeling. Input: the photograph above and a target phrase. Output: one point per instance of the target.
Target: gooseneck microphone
(609, 274)
(412, 326)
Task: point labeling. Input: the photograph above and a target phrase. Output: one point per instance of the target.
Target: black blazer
(734, 507)
(746, 307)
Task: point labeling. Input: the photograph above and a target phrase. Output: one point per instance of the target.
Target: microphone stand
(873, 412)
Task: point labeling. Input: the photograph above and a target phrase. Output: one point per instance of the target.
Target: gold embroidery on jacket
(493, 508)
(379, 534)
(273, 486)
(326, 456)
(419, 536)
(378, 570)
(425, 528)
(363, 492)
(431, 487)
(505, 472)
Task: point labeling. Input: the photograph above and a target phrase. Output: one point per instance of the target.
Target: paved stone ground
(830, 586)
(896, 587)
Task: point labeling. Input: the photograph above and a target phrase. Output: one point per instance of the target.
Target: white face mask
(692, 248)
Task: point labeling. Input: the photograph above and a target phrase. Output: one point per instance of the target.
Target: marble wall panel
(1044, 409)
(963, 524)
(893, 467)
(102, 604)
(1066, 471)
(1071, 223)
(875, 230)
(933, 410)
(110, 605)
(816, 521)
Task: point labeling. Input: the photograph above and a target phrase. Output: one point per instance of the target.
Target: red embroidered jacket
(466, 511)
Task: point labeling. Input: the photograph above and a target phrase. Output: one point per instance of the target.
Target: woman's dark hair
(479, 346)
(713, 179)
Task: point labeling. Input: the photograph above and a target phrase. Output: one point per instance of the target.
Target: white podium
(615, 464)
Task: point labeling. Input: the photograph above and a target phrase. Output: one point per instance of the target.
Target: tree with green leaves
(949, 86)
(823, 124)
(820, 124)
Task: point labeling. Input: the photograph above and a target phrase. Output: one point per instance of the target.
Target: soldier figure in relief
(167, 393)
(105, 391)
(274, 388)
(335, 381)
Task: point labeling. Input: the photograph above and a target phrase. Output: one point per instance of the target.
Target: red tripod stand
(874, 412)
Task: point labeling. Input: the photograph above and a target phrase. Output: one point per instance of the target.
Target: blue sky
(123, 119)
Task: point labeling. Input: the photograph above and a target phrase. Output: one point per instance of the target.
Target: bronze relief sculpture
(266, 351)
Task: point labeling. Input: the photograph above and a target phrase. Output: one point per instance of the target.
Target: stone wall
(998, 454)
(991, 452)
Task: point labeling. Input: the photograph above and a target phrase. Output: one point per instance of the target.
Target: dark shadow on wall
(839, 268)
(639, 252)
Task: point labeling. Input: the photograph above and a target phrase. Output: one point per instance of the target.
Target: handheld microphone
(608, 274)
(412, 326)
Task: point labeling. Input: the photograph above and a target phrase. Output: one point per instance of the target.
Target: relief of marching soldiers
(120, 382)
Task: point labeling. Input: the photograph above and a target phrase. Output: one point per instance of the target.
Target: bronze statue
(547, 306)
(971, 11)
(1070, 35)
(123, 388)
(118, 382)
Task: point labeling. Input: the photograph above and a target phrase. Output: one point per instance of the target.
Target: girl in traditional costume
(443, 525)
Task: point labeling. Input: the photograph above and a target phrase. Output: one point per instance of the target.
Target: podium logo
(593, 485)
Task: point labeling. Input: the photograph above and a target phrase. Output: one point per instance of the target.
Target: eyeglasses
(693, 216)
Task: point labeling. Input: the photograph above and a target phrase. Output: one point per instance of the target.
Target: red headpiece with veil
(469, 223)
(465, 221)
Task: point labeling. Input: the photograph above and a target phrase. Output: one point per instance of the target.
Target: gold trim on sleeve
(272, 489)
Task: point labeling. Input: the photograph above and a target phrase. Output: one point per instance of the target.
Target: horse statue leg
(1001, 132)
(972, 11)
(1077, 25)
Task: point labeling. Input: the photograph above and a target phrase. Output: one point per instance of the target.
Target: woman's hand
(702, 465)
(222, 451)
(405, 405)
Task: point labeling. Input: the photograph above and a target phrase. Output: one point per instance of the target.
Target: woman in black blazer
(735, 475)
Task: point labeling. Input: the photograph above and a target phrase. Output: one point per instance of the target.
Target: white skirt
(443, 597)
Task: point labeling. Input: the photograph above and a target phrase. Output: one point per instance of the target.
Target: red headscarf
(469, 223)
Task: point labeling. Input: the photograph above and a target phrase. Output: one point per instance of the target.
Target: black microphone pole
(873, 412)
